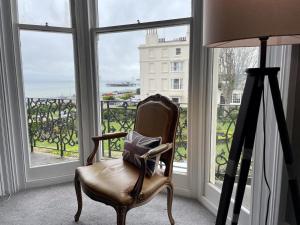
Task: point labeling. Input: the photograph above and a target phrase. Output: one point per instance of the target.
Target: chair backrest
(157, 116)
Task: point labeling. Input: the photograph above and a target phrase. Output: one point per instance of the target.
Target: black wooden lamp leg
(245, 134)
(248, 147)
(249, 96)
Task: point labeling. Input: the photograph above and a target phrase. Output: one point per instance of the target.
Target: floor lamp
(245, 23)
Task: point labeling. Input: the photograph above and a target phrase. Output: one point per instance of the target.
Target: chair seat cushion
(114, 180)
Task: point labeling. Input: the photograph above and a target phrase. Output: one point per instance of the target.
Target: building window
(175, 99)
(165, 85)
(151, 53)
(165, 67)
(178, 51)
(236, 98)
(152, 84)
(164, 53)
(151, 68)
(176, 84)
(176, 66)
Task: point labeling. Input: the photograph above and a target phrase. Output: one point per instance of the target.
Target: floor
(56, 205)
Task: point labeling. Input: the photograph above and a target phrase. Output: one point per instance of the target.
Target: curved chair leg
(79, 197)
(170, 201)
(121, 215)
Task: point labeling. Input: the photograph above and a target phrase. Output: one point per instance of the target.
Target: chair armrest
(103, 137)
(150, 154)
(158, 150)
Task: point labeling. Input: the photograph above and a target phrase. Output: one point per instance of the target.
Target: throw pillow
(137, 145)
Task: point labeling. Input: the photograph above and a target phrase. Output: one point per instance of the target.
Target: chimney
(151, 36)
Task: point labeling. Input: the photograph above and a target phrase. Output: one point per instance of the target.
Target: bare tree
(232, 65)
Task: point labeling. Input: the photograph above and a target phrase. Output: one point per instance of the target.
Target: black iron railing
(120, 116)
(226, 121)
(52, 126)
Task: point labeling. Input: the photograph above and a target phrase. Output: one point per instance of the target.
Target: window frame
(179, 67)
(39, 176)
(182, 180)
(180, 84)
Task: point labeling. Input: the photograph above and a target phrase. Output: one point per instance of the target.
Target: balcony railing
(120, 116)
(53, 128)
(226, 122)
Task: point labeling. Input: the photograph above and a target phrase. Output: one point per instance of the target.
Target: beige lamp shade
(240, 23)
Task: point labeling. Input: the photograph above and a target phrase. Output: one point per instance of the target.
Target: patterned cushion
(137, 144)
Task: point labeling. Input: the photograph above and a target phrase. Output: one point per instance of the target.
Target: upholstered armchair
(118, 183)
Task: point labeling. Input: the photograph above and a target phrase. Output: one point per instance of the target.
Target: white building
(164, 67)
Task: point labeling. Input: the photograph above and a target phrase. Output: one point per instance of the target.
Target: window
(236, 98)
(46, 12)
(175, 99)
(176, 84)
(165, 84)
(151, 84)
(149, 50)
(165, 67)
(151, 53)
(48, 72)
(178, 51)
(164, 53)
(120, 12)
(228, 84)
(176, 66)
(151, 68)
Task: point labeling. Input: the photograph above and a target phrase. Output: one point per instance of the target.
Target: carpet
(57, 205)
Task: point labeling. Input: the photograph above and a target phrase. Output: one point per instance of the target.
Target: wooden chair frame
(164, 151)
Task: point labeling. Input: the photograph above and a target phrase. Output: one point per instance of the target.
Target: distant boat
(121, 84)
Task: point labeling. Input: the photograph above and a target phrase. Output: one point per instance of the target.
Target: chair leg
(79, 197)
(170, 201)
(121, 215)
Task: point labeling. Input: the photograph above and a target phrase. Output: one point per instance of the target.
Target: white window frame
(236, 98)
(178, 51)
(86, 109)
(182, 180)
(276, 56)
(178, 68)
(180, 84)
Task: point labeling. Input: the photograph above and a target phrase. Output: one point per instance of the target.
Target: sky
(48, 58)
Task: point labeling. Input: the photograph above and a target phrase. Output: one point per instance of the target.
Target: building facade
(164, 67)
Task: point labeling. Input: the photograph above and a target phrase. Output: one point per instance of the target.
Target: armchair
(118, 183)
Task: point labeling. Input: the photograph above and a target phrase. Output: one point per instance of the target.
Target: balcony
(53, 131)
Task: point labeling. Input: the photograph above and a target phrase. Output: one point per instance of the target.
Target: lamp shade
(240, 23)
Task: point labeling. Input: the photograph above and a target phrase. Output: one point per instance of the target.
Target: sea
(104, 88)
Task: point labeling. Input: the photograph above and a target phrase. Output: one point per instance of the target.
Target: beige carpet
(56, 205)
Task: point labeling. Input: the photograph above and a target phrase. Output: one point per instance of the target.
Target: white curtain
(12, 168)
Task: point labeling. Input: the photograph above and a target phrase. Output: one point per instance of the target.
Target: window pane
(130, 11)
(52, 12)
(49, 85)
(229, 78)
(132, 67)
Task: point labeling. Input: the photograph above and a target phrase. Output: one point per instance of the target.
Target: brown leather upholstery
(118, 183)
(114, 179)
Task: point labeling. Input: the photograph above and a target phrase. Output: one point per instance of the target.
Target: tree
(232, 65)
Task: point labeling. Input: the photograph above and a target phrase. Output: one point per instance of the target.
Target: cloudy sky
(47, 58)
